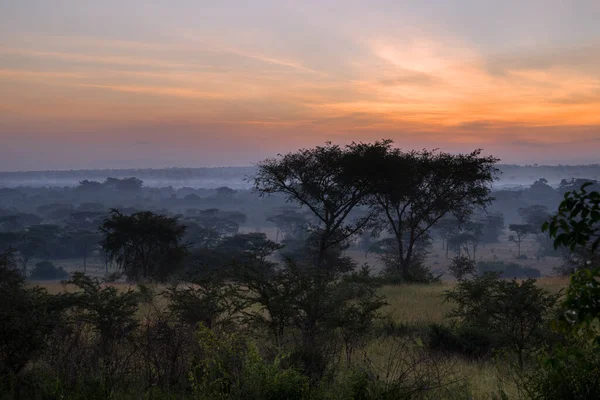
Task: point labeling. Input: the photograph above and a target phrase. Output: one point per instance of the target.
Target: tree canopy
(411, 191)
(144, 244)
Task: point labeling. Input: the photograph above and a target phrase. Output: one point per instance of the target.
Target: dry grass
(416, 303)
(424, 304)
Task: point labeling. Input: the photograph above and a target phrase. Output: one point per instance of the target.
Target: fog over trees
(311, 278)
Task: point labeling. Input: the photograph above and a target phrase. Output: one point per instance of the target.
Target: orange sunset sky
(148, 83)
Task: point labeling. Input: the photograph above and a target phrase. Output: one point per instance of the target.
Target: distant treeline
(213, 177)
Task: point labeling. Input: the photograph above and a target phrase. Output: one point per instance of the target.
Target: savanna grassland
(410, 310)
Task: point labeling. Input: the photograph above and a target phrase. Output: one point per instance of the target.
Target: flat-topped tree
(535, 215)
(521, 231)
(318, 179)
(411, 191)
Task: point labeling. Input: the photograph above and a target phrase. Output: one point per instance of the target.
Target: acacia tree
(493, 227)
(412, 191)
(84, 242)
(143, 244)
(534, 215)
(36, 241)
(521, 232)
(321, 180)
(290, 223)
(309, 292)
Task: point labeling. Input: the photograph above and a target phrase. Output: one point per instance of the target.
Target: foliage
(567, 372)
(515, 314)
(231, 369)
(411, 191)
(320, 180)
(577, 225)
(535, 216)
(418, 272)
(521, 231)
(207, 299)
(356, 317)
(46, 270)
(213, 220)
(462, 267)
(108, 311)
(291, 223)
(493, 227)
(316, 283)
(577, 221)
(466, 238)
(399, 369)
(91, 349)
(144, 244)
(27, 317)
(570, 369)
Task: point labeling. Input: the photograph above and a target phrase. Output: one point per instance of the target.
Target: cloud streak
(427, 84)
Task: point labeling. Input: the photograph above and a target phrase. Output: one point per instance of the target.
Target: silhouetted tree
(535, 216)
(493, 227)
(144, 244)
(84, 242)
(521, 232)
(320, 180)
(412, 191)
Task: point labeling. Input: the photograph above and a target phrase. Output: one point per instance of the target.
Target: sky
(152, 84)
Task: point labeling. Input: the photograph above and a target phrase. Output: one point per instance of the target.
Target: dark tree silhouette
(84, 242)
(144, 244)
(521, 232)
(412, 191)
(534, 215)
(319, 180)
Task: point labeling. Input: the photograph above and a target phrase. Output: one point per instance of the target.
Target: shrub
(91, 348)
(568, 372)
(462, 267)
(27, 317)
(399, 368)
(229, 368)
(206, 298)
(515, 313)
(46, 270)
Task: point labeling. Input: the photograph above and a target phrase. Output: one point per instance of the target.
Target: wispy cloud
(240, 77)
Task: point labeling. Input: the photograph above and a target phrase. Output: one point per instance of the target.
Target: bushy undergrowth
(296, 335)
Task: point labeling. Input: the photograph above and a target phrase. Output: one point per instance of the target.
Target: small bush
(462, 267)
(516, 313)
(46, 271)
(229, 368)
(28, 315)
(568, 372)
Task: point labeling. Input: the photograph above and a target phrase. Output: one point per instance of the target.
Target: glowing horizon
(144, 84)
